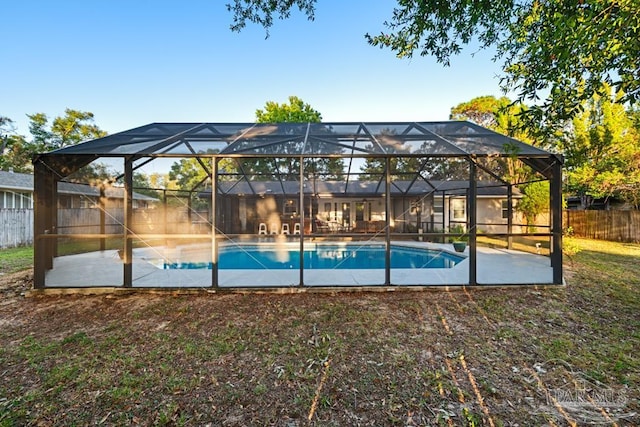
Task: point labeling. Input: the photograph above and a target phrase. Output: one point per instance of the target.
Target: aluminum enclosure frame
(211, 142)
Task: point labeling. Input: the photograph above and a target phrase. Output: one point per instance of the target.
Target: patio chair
(262, 228)
(274, 228)
(335, 226)
(296, 228)
(322, 226)
(285, 229)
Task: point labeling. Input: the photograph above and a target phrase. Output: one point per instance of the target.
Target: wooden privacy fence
(87, 221)
(16, 227)
(621, 226)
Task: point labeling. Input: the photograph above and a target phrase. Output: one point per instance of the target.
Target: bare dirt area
(14, 285)
(519, 356)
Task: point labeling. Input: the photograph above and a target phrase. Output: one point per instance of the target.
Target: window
(359, 211)
(26, 201)
(458, 209)
(505, 209)
(346, 214)
(438, 205)
(8, 200)
(290, 207)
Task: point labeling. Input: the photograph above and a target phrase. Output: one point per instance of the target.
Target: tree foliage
(602, 152)
(261, 11)
(535, 200)
(142, 185)
(295, 111)
(555, 50)
(503, 116)
(498, 114)
(560, 50)
(401, 168)
(188, 174)
(11, 148)
(73, 127)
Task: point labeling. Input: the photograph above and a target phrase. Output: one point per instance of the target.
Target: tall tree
(189, 174)
(535, 201)
(295, 111)
(482, 110)
(503, 116)
(71, 128)
(402, 168)
(560, 50)
(602, 152)
(10, 146)
(498, 114)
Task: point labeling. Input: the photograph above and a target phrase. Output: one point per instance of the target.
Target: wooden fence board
(621, 226)
(87, 221)
(16, 227)
(154, 221)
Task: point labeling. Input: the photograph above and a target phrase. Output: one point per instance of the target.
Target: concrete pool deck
(105, 269)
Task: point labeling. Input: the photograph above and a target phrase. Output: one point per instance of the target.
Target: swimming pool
(358, 257)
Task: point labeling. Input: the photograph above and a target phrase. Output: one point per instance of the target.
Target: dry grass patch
(496, 357)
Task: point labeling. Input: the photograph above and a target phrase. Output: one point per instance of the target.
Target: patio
(495, 266)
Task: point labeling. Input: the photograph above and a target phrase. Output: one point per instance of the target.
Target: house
(420, 206)
(16, 192)
(76, 203)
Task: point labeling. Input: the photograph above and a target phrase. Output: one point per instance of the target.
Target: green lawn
(16, 259)
(526, 356)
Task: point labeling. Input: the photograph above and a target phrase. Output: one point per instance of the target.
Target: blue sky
(137, 62)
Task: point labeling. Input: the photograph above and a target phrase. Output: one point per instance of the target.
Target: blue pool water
(324, 257)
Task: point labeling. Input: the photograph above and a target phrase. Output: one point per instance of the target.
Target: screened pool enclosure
(299, 205)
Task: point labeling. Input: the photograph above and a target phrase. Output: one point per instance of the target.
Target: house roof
(16, 181)
(359, 188)
(24, 182)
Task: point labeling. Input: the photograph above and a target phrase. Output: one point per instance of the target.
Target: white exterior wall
(490, 218)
